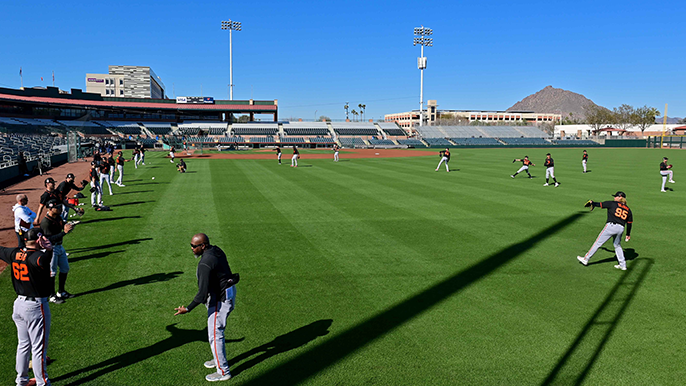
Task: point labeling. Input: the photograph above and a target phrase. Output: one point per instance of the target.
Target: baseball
(377, 153)
(153, 178)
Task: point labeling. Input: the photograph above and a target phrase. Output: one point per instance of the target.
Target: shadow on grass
(105, 246)
(107, 219)
(136, 191)
(576, 363)
(150, 183)
(155, 278)
(629, 254)
(177, 339)
(94, 256)
(281, 344)
(335, 349)
(131, 203)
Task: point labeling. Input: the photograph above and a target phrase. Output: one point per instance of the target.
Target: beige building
(126, 82)
(411, 118)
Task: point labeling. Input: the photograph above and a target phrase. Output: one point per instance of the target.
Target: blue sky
(314, 56)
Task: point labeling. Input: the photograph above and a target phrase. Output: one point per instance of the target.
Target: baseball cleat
(663, 191)
(546, 184)
(65, 295)
(55, 299)
(210, 364)
(672, 182)
(557, 184)
(214, 377)
(512, 176)
(620, 267)
(436, 169)
(582, 260)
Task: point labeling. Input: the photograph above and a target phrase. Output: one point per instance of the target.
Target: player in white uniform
(525, 165)
(335, 152)
(294, 159)
(550, 170)
(445, 157)
(666, 171)
(584, 160)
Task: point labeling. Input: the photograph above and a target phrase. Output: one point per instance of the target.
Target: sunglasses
(195, 246)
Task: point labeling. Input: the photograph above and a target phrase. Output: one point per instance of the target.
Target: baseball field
(378, 271)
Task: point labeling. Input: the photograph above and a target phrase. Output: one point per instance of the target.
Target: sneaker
(55, 299)
(111, 194)
(512, 176)
(210, 364)
(557, 184)
(531, 177)
(672, 182)
(620, 267)
(582, 260)
(65, 295)
(663, 191)
(546, 184)
(214, 377)
(436, 169)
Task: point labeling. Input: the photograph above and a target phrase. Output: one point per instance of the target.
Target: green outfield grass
(378, 272)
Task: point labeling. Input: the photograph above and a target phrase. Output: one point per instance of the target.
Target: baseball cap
(619, 194)
(548, 154)
(33, 234)
(49, 180)
(70, 175)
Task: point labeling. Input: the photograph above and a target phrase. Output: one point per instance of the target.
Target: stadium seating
(438, 142)
(293, 140)
(411, 142)
(476, 142)
(322, 140)
(526, 141)
(261, 129)
(33, 146)
(160, 130)
(381, 142)
(392, 129)
(305, 131)
(352, 141)
(576, 142)
(268, 139)
(480, 131)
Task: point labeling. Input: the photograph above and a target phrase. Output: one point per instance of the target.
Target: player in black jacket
(50, 194)
(216, 289)
(445, 157)
(54, 229)
(618, 216)
(550, 170)
(64, 188)
(31, 311)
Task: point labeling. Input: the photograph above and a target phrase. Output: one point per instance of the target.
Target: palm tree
(363, 108)
(346, 110)
(354, 113)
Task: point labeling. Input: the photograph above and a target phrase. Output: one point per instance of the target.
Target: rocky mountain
(554, 100)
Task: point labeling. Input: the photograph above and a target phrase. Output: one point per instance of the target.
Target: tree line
(622, 117)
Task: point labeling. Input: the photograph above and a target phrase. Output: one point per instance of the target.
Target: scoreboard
(195, 100)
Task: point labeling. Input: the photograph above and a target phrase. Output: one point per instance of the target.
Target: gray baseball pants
(32, 318)
(96, 196)
(120, 168)
(217, 313)
(610, 230)
(444, 159)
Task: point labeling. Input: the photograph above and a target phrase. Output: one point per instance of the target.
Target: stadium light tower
(421, 38)
(231, 26)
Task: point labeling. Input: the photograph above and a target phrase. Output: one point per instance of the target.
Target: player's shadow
(304, 166)
(131, 203)
(629, 254)
(454, 170)
(105, 246)
(178, 338)
(335, 349)
(281, 344)
(154, 278)
(578, 360)
(93, 256)
(107, 219)
(135, 191)
(150, 183)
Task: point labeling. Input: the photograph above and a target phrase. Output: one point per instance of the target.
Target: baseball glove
(514, 160)
(79, 211)
(670, 166)
(84, 182)
(589, 203)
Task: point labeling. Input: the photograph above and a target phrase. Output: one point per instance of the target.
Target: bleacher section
(292, 140)
(212, 128)
(263, 129)
(33, 146)
(159, 130)
(306, 128)
(381, 142)
(268, 139)
(438, 142)
(476, 141)
(575, 142)
(351, 141)
(526, 141)
(392, 129)
(411, 142)
(481, 131)
(322, 140)
(355, 128)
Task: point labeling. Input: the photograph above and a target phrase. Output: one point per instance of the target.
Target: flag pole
(21, 76)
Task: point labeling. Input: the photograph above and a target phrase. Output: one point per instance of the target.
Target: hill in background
(554, 100)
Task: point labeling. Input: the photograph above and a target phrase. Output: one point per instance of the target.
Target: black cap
(548, 154)
(92, 163)
(49, 180)
(619, 194)
(70, 175)
(33, 234)
(666, 158)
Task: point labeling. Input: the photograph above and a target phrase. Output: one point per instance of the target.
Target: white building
(585, 131)
(127, 82)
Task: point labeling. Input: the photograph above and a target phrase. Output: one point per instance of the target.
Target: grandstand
(392, 129)
(575, 142)
(306, 128)
(476, 141)
(261, 129)
(526, 141)
(411, 142)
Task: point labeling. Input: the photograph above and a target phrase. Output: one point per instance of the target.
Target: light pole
(231, 26)
(421, 38)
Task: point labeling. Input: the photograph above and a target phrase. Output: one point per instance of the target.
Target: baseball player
(525, 165)
(120, 168)
(54, 229)
(181, 166)
(31, 311)
(335, 152)
(278, 154)
(550, 170)
(23, 218)
(445, 157)
(216, 289)
(584, 160)
(666, 171)
(105, 175)
(136, 157)
(171, 154)
(294, 159)
(64, 188)
(142, 155)
(618, 216)
(96, 189)
(50, 194)
(113, 166)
